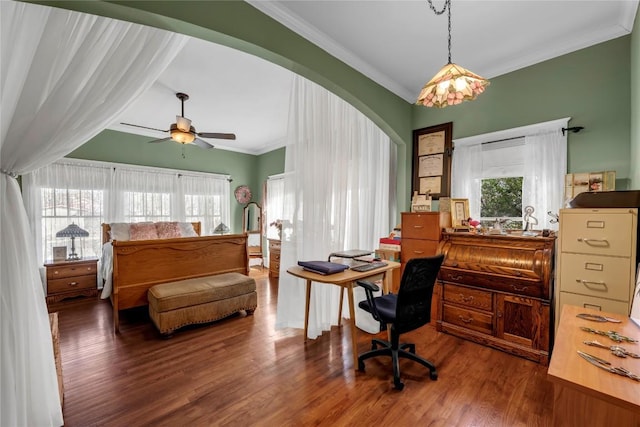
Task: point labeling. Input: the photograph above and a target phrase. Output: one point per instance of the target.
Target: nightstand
(67, 279)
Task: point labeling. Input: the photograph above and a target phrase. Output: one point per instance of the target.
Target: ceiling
(399, 44)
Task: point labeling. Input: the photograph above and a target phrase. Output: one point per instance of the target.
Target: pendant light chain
(447, 7)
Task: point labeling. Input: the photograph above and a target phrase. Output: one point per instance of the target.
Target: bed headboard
(106, 228)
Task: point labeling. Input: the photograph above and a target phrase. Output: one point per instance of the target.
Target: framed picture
(432, 149)
(459, 213)
(59, 253)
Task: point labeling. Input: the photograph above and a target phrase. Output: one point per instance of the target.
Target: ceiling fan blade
(217, 135)
(161, 140)
(144, 127)
(183, 123)
(202, 144)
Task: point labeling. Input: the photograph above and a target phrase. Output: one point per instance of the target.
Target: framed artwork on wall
(432, 150)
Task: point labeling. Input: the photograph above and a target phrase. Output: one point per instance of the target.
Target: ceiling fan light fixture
(453, 84)
(181, 136)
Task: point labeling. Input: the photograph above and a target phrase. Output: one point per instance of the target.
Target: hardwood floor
(242, 372)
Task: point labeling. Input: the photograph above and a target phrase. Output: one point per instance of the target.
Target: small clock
(243, 194)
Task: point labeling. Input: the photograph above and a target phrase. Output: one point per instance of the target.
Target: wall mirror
(252, 219)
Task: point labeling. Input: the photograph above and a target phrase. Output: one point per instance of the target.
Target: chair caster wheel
(360, 366)
(433, 376)
(399, 385)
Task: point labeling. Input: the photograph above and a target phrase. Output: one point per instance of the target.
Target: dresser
(421, 233)
(67, 279)
(496, 290)
(274, 258)
(597, 258)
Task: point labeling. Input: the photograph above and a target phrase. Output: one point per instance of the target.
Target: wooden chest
(497, 290)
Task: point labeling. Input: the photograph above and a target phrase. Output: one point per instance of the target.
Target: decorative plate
(243, 194)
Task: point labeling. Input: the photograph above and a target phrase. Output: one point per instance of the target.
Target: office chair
(406, 311)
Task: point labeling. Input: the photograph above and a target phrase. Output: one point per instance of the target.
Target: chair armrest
(370, 286)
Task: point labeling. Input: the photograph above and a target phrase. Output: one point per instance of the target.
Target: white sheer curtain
(545, 165)
(337, 191)
(64, 77)
(466, 175)
(274, 204)
(206, 199)
(544, 171)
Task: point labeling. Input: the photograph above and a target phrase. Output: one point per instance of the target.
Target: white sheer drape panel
(336, 195)
(56, 189)
(466, 176)
(205, 199)
(545, 169)
(65, 76)
(274, 205)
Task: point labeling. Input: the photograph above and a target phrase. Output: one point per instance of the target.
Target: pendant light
(452, 84)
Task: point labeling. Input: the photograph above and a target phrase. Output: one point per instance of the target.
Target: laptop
(323, 267)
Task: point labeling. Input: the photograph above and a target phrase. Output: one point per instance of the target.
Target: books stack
(389, 243)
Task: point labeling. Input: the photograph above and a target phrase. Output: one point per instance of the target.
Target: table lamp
(72, 231)
(221, 228)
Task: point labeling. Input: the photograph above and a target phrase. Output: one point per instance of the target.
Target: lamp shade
(72, 230)
(451, 86)
(221, 228)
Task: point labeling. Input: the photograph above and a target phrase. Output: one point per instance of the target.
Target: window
(501, 199)
(494, 169)
(91, 193)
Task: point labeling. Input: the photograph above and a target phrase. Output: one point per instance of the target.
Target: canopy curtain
(64, 77)
(337, 189)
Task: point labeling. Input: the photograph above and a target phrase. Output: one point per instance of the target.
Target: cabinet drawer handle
(418, 252)
(588, 283)
(73, 284)
(418, 226)
(594, 242)
(465, 319)
(518, 289)
(465, 298)
(452, 277)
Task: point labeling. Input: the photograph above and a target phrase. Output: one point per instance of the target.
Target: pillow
(168, 230)
(119, 231)
(143, 231)
(186, 229)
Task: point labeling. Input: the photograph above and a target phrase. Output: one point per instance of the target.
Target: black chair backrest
(413, 308)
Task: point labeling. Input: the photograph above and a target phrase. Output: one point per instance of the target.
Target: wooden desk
(584, 394)
(346, 280)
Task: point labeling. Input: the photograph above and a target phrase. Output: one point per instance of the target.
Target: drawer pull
(519, 289)
(418, 226)
(73, 284)
(589, 284)
(465, 319)
(602, 243)
(418, 252)
(452, 277)
(593, 266)
(465, 298)
(595, 224)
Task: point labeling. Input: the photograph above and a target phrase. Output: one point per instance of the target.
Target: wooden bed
(140, 264)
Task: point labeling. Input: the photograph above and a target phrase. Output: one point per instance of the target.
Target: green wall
(635, 104)
(592, 86)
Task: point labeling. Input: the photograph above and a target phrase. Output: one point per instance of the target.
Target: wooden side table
(67, 279)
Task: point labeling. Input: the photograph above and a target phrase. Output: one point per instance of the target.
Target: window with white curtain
(91, 193)
(274, 205)
(536, 153)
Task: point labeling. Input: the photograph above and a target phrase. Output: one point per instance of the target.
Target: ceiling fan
(182, 132)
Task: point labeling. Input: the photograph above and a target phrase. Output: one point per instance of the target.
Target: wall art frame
(432, 151)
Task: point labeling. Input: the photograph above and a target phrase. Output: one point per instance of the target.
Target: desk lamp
(72, 231)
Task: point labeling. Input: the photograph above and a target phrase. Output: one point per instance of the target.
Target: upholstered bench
(176, 304)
